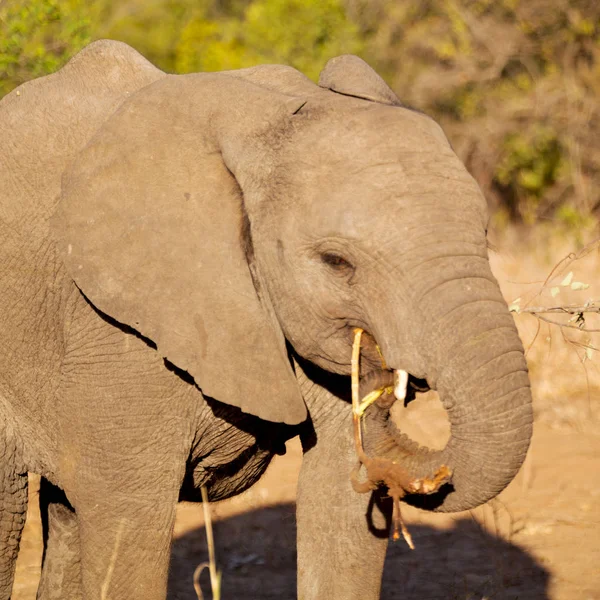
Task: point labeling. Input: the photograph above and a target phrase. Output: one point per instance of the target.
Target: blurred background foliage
(515, 83)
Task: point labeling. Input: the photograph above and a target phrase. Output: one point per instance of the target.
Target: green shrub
(38, 36)
(300, 33)
(529, 165)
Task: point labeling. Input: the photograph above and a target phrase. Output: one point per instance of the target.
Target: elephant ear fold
(149, 227)
(351, 76)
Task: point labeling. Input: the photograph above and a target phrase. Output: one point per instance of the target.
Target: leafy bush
(515, 85)
(37, 37)
(530, 164)
(300, 33)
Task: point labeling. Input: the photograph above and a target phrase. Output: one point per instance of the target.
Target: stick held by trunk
(384, 471)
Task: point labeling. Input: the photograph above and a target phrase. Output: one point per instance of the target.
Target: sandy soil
(539, 540)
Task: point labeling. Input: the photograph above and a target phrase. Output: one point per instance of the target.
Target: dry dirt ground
(539, 540)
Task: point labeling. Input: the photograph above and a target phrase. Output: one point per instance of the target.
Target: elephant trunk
(472, 355)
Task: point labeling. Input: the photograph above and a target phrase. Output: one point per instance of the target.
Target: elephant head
(220, 215)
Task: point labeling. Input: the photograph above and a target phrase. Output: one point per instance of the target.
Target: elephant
(184, 262)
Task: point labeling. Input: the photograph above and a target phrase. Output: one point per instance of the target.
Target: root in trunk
(384, 471)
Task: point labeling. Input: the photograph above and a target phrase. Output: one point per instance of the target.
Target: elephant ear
(150, 228)
(351, 76)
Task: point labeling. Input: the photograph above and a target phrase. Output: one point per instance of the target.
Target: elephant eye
(337, 262)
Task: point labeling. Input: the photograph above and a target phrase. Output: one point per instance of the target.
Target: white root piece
(401, 381)
(369, 399)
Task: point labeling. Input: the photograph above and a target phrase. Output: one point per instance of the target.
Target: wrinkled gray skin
(204, 220)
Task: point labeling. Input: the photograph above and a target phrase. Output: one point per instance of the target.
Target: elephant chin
(382, 436)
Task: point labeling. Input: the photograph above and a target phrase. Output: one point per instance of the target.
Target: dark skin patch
(248, 247)
(246, 236)
(122, 326)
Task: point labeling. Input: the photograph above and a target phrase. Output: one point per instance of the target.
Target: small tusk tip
(401, 382)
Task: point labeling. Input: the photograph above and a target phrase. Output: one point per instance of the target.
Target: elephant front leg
(13, 509)
(61, 572)
(342, 535)
(125, 547)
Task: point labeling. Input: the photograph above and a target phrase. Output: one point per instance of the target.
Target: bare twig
(354, 362)
(579, 310)
(565, 325)
(537, 332)
(572, 309)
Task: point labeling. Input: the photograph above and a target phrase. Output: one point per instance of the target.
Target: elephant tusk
(400, 383)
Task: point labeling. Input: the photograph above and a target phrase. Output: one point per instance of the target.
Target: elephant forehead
(393, 150)
(390, 185)
(369, 127)
(375, 202)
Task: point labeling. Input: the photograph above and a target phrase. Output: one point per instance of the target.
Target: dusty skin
(538, 540)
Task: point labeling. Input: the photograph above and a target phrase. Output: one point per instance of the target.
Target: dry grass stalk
(355, 366)
(113, 561)
(215, 575)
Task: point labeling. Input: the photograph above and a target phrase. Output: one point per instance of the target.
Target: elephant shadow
(256, 554)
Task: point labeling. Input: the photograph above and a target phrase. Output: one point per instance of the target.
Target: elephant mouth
(479, 426)
(387, 435)
(380, 389)
(387, 378)
(382, 471)
(394, 436)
